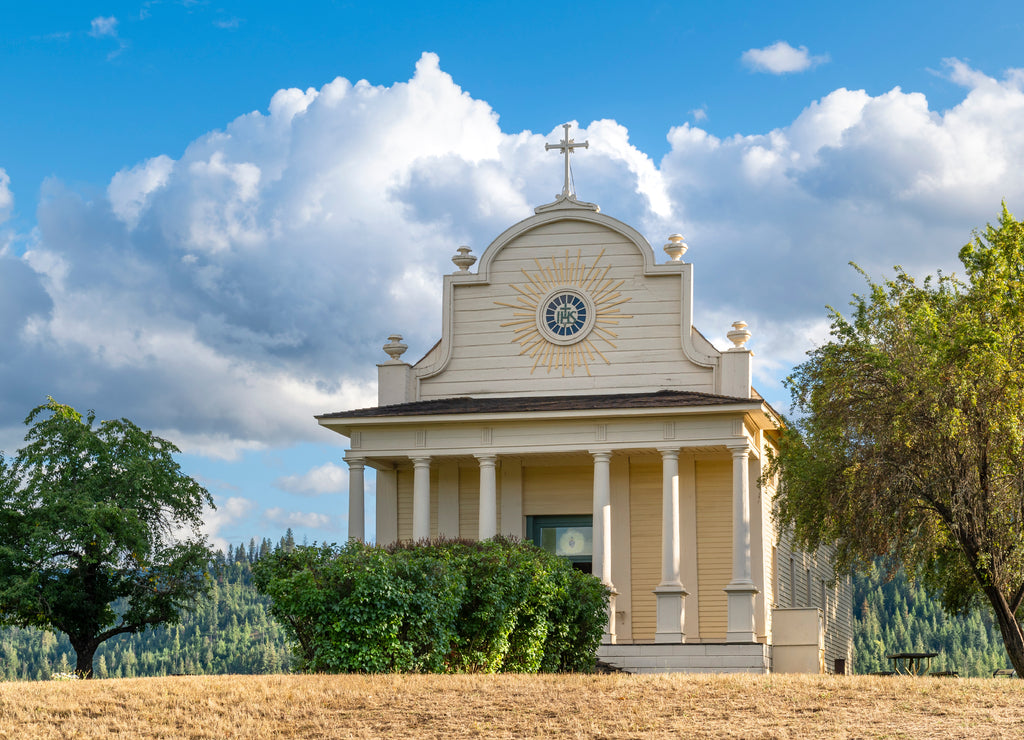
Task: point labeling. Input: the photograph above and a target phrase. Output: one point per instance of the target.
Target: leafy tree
(909, 442)
(93, 515)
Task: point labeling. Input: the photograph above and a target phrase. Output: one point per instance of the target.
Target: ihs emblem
(562, 309)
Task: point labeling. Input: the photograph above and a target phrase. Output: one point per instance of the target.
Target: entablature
(560, 434)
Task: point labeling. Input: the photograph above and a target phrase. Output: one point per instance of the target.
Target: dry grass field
(506, 706)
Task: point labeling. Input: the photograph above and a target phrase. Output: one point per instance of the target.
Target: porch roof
(526, 404)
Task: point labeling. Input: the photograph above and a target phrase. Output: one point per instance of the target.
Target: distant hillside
(233, 632)
(900, 617)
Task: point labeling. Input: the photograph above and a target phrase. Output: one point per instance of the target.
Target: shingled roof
(512, 404)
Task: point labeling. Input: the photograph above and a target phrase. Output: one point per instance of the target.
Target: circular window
(565, 316)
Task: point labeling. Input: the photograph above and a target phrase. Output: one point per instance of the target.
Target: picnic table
(911, 664)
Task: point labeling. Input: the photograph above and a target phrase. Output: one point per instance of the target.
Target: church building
(571, 401)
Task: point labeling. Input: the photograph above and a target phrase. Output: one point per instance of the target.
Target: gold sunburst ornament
(562, 309)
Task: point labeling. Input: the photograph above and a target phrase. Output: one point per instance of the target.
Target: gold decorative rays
(562, 309)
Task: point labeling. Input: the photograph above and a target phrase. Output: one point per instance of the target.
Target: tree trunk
(1013, 637)
(84, 652)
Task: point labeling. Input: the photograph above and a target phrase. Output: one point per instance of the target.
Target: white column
(602, 539)
(670, 593)
(670, 518)
(688, 544)
(356, 499)
(759, 569)
(488, 497)
(620, 545)
(421, 499)
(741, 589)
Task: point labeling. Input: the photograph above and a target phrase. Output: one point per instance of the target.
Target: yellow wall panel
(645, 543)
(714, 545)
(558, 489)
(469, 503)
(405, 482)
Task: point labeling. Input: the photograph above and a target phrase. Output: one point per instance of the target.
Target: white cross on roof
(566, 145)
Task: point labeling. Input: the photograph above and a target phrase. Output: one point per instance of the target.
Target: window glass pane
(575, 541)
(548, 536)
(570, 541)
(569, 536)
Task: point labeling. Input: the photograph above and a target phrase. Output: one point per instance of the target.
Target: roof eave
(756, 409)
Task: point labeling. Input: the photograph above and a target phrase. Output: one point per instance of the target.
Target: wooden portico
(478, 467)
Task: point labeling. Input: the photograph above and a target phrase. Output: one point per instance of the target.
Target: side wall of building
(809, 580)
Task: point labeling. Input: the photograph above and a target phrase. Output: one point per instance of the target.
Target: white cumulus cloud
(6, 196)
(253, 279)
(225, 294)
(307, 520)
(228, 512)
(103, 26)
(326, 478)
(781, 58)
(878, 180)
(129, 190)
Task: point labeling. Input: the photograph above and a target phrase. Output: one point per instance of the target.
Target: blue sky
(209, 225)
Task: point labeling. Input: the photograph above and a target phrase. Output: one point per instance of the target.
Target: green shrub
(576, 622)
(443, 606)
(361, 608)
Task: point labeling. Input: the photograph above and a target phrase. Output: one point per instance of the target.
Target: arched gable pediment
(514, 232)
(625, 318)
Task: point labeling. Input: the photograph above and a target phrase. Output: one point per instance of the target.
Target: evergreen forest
(232, 631)
(900, 616)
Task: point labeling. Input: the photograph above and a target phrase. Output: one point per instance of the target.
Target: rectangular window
(568, 542)
(569, 537)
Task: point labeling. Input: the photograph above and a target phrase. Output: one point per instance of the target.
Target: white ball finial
(739, 334)
(676, 247)
(464, 260)
(395, 347)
